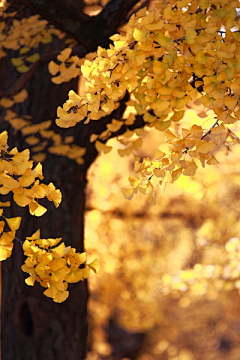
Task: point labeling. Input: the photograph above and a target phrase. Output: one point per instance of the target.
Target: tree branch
(67, 15)
(91, 152)
(82, 132)
(19, 84)
(144, 4)
(115, 14)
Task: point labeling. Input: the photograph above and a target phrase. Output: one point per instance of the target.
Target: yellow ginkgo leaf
(190, 169)
(46, 39)
(152, 199)
(53, 68)
(30, 280)
(94, 265)
(169, 135)
(212, 160)
(33, 58)
(57, 264)
(14, 223)
(197, 131)
(4, 138)
(162, 125)
(5, 204)
(159, 173)
(59, 251)
(17, 61)
(205, 147)
(125, 152)
(78, 275)
(164, 41)
(22, 68)
(190, 37)
(27, 180)
(178, 115)
(39, 157)
(59, 275)
(64, 55)
(4, 253)
(51, 291)
(7, 237)
(160, 105)
(6, 103)
(231, 103)
(36, 209)
(115, 125)
(146, 189)
(139, 35)
(102, 148)
(175, 175)
(34, 236)
(21, 199)
(24, 50)
(128, 193)
(55, 196)
(61, 296)
(21, 96)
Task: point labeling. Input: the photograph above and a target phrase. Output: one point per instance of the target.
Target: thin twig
(209, 131)
(20, 241)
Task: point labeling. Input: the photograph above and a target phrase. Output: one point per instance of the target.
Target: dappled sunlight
(165, 270)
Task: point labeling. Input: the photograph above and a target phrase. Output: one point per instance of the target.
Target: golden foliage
(162, 59)
(193, 147)
(68, 69)
(185, 52)
(17, 176)
(51, 265)
(171, 270)
(41, 139)
(24, 36)
(54, 265)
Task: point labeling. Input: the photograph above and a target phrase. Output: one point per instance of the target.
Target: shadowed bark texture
(33, 327)
(89, 31)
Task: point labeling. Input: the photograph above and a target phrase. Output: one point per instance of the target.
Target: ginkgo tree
(51, 265)
(161, 61)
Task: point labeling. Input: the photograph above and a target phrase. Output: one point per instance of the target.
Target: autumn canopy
(161, 62)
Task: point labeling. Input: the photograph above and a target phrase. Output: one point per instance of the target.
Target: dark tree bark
(33, 327)
(91, 32)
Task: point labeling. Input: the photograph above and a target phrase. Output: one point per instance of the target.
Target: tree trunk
(32, 325)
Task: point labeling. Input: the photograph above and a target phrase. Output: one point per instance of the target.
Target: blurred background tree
(171, 271)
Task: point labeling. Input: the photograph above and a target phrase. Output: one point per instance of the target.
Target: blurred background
(168, 287)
